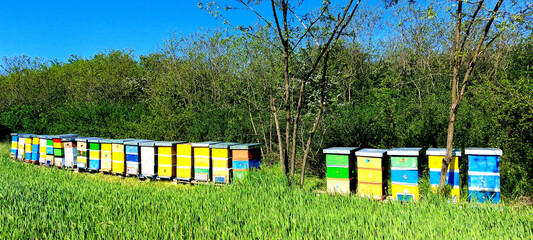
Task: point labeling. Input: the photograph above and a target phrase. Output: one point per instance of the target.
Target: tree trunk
(278, 131)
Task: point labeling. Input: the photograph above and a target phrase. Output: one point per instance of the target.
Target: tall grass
(40, 202)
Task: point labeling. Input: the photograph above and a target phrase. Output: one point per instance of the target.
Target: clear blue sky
(57, 29)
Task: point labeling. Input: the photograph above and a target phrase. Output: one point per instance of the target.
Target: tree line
(384, 81)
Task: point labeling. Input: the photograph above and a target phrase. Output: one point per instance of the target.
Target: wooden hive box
(245, 157)
(94, 154)
(42, 149)
(484, 174)
(133, 152)
(35, 149)
(118, 156)
(106, 163)
(340, 169)
(21, 150)
(69, 144)
(166, 159)
(202, 161)
(184, 162)
(221, 156)
(82, 151)
(404, 173)
(59, 149)
(148, 159)
(28, 147)
(435, 157)
(371, 173)
(49, 150)
(14, 145)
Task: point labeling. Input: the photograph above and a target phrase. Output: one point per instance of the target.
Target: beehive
(42, 149)
(70, 147)
(371, 173)
(82, 151)
(148, 159)
(21, 142)
(28, 147)
(404, 173)
(166, 159)
(222, 162)
(94, 154)
(59, 149)
(118, 156)
(245, 157)
(133, 152)
(184, 162)
(35, 150)
(49, 150)
(435, 157)
(14, 145)
(202, 161)
(106, 163)
(483, 174)
(340, 169)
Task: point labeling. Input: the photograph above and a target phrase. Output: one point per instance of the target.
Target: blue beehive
(483, 174)
(14, 145)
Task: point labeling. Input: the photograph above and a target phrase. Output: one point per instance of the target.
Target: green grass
(40, 202)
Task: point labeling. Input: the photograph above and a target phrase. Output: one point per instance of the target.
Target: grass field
(45, 203)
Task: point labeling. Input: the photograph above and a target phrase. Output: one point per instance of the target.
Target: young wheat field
(48, 203)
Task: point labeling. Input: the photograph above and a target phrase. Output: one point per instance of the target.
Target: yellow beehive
(166, 159)
(105, 156)
(435, 158)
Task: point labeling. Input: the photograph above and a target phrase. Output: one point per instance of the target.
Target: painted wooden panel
(340, 186)
(50, 160)
(35, 152)
(69, 156)
(405, 192)
(118, 158)
(28, 147)
(201, 151)
(132, 149)
(42, 151)
(369, 162)
(94, 164)
(201, 161)
(14, 147)
(404, 162)
(404, 176)
(371, 190)
(184, 149)
(106, 157)
(94, 146)
(132, 168)
(477, 163)
(185, 173)
(166, 171)
(241, 164)
(221, 163)
(436, 162)
(82, 154)
(202, 174)
(239, 174)
(59, 161)
(59, 152)
(239, 154)
(255, 163)
(452, 178)
(148, 161)
(21, 152)
(334, 159)
(165, 150)
(484, 182)
(220, 153)
(94, 154)
(339, 172)
(221, 175)
(184, 161)
(484, 196)
(370, 175)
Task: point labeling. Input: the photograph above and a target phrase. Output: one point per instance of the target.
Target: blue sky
(57, 29)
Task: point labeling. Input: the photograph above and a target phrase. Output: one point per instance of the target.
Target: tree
(471, 38)
(315, 29)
